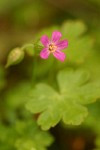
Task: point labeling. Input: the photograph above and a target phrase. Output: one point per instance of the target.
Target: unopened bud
(15, 57)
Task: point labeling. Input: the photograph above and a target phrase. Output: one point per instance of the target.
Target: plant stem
(34, 71)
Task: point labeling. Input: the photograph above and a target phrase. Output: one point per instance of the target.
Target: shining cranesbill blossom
(54, 46)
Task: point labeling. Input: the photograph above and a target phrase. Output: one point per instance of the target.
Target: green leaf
(24, 144)
(75, 84)
(80, 45)
(45, 93)
(70, 78)
(66, 104)
(89, 93)
(47, 31)
(74, 113)
(5, 142)
(31, 137)
(93, 122)
(73, 28)
(15, 57)
(93, 64)
(24, 135)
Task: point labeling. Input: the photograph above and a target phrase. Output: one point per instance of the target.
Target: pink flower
(54, 46)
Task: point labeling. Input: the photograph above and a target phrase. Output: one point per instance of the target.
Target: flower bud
(15, 57)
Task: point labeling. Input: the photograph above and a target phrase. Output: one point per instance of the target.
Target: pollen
(52, 48)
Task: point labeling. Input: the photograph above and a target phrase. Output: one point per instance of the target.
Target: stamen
(52, 47)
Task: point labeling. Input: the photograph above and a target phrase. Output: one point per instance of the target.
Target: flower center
(52, 48)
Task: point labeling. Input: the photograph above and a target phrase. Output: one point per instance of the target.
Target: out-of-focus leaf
(93, 122)
(24, 135)
(47, 31)
(73, 29)
(7, 137)
(93, 64)
(31, 137)
(65, 105)
(80, 45)
(76, 84)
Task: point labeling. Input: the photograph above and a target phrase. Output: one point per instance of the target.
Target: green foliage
(76, 88)
(38, 94)
(93, 64)
(65, 104)
(93, 121)
(24, 135)
(66, 92)
(80, 44)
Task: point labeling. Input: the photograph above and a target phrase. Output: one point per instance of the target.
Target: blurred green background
(21, 21)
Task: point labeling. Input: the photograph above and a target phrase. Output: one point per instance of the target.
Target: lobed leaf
(66, 104)
(80, 45)
(24, 135)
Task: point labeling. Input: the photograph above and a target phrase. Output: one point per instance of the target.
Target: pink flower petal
(45, 40)
(62, 44)
(44, 53)
(59, 55)
(56, 36)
